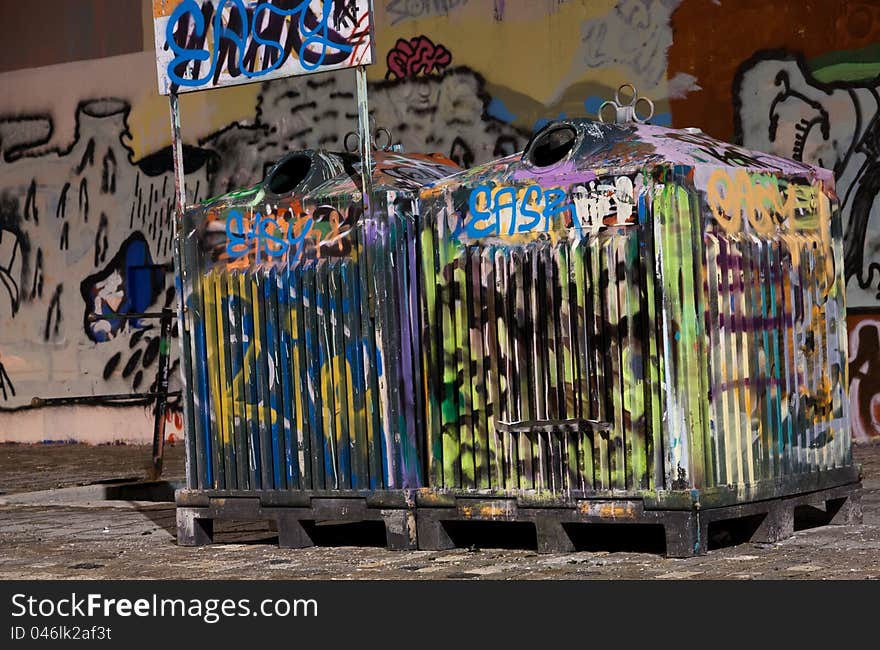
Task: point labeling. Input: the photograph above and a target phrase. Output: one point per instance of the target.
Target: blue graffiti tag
(498, 212)
(264, 232)
(312, 45)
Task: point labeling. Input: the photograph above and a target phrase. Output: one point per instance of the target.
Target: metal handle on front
(629, 111)
(352, 140)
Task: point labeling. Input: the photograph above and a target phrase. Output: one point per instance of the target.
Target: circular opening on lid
(288, 173)
(552, 146)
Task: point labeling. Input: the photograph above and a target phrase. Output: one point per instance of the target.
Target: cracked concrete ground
(118, 540)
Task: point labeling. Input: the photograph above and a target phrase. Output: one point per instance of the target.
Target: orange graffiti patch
(488, 510)
(608, 509)
(162, 8)
(762, 200)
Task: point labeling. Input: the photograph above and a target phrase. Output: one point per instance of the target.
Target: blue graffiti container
(301, 333)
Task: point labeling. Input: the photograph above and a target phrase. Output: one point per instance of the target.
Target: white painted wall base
(87, 424)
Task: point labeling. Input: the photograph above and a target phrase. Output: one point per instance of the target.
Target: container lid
(573, 150)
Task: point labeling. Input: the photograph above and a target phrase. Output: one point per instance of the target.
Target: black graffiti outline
(108, 173)
(54, 304)
(30, 204)
(24, 147)
(9, 282)
(865, 355)
(804, 126)
(35, 148)
(867, 179)
(5, 381)
(61, 210)
(84, 199)
(11, 289)
(102, 243)
(17, 151)
(37, 288)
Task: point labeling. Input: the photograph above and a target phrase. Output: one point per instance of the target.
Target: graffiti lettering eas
(269, 237)
(507, 211)
(764, 201)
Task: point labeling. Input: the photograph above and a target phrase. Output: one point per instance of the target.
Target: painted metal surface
(685, 291)
(621, 310)
(303, 318)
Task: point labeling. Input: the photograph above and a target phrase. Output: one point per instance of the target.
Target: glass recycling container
(626, 310)
(621, 311)
(301, 341)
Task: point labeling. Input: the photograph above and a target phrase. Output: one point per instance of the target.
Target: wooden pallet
(292, 514)
(423, 519)
(686, 531)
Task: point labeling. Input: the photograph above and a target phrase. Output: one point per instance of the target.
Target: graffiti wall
(801, 82)
(86, 190)
(85, 232)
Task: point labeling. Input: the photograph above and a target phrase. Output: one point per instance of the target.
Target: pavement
(30, 468)
(74, 534)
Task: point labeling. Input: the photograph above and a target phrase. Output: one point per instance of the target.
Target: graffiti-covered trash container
(643, 318)
(302, 332)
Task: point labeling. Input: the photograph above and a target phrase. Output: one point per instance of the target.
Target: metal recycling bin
(619, 312)
(629, 310)
(301, 328)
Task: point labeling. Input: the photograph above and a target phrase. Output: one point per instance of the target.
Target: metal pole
(98, 399)
(177, 153)
(364, 138)
(162, 389)
(181, 286)
(93, 318)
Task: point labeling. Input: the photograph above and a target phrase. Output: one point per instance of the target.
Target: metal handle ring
(633, 99)
(602, 108)
(357, 139)
(388, 138)
(650, 113)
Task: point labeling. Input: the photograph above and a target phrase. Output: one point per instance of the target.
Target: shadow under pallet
(432, 520)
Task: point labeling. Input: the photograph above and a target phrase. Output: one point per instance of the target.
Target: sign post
(208, 44)
(177, 153)
(364, 140)
(185, 352)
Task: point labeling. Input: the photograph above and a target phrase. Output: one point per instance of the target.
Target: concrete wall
(86, 188)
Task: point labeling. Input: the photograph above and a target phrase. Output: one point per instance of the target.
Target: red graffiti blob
(864, 375)
(419, 55)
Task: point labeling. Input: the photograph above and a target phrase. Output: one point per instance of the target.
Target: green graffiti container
(630, 310)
